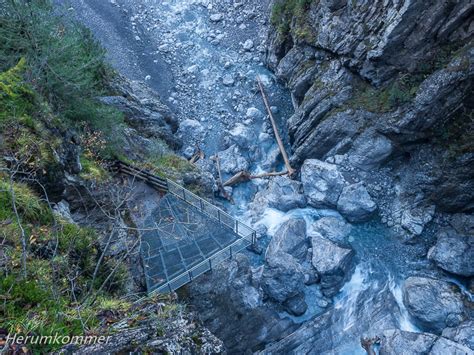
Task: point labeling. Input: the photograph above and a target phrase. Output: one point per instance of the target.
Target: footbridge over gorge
(185, 236)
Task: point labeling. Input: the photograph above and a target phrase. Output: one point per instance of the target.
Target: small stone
(248, 45)
(216, 17)
(228, 80)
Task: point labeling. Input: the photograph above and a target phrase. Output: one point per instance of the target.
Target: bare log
(220, 185)
(243, 176)
(290, 170)
(198, 155)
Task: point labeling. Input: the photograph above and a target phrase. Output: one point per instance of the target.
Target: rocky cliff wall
(382, 85)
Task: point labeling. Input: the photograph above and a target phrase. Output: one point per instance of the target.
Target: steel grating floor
(179, 237)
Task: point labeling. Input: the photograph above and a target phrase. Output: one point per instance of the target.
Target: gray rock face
(395, 341)
(290, 238)
(322, 183)
(433, 304)
(284, 194)
(332, 262)
(334, 229)
(144, 111)
(454, 252)
(355, 203)
(462, 334)
(282, 277)
(376, 120)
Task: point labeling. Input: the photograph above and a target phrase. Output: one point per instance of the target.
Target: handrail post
(219, 215)
(236, 227)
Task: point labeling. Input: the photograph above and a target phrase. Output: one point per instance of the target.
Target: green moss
(379, 100)
(290, 16)
(16, 98)
(91, 170)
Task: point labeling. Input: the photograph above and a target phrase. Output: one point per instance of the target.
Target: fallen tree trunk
(290, 170)
(243, 176)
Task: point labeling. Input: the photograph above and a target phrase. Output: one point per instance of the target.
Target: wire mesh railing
(239, 228)
(201, 268)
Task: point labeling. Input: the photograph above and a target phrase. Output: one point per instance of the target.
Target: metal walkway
(186, 236)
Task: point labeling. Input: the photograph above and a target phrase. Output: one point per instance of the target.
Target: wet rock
(290, 238)
(332, 262)
(454, 252)
(296, 305)
(241, 135)
(282, 277)
(334, 229)
(433, 304)
(445, 346)
(322, 183)
(370, 150)
(232, 161)
(355, 203)
(284, 194)
(462, 334)
(415, 219)
(395, 341)
(254, 113)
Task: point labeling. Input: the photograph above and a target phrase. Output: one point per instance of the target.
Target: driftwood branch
(243, 176)
(290, 170)
(199, 155)
(220, 185)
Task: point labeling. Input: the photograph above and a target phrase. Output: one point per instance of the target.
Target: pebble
(248, 45)
(216, 17)
(228, 80)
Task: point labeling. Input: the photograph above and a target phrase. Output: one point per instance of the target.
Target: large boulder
(355, 203)
(445, 346)
(433, 304)
(322, 183)
(334, 229)
(282, 278)
(290, 238)
(395, 341)
(284, 194)
(332, 262)
(370, 150)
(462, 334)
(414, 219)
(454, 252)
(232, 161)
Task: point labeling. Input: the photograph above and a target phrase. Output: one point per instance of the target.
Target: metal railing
(247, 234)
(239, 228)
(203, 267)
